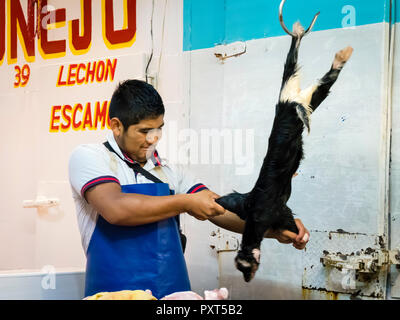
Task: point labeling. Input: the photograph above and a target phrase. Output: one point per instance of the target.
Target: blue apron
(137, 258)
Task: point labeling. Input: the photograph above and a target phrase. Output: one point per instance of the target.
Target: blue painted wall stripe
(211, 22)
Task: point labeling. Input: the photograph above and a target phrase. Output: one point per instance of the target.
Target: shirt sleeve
(187, 183)
(89, 167)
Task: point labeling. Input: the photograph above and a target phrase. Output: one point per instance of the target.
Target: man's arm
(91, 176)
(231, 222)
(129, 209)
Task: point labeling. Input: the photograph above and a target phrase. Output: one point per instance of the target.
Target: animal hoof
(342, 57)
(298, 29)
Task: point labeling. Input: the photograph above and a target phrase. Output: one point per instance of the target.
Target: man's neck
(142, 164)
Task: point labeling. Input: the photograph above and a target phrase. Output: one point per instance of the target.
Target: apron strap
(134, 166)
(138, 169)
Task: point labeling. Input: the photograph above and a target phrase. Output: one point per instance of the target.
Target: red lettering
(72, 74)
(87, 118)
(101, 114)
(66, 117)
(76, 125)
(90, 72)
(54, 118)
(56, 46)
(2, 29)
(17, 20)
(80, 80)
(59, 81)
(111, 69)
(115, 37)
(82, 42)
(100, 74)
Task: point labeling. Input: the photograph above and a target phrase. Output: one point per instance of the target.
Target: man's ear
(117, 127)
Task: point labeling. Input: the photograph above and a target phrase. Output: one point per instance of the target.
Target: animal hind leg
(311, 97)
(320, 91)
(291, 81)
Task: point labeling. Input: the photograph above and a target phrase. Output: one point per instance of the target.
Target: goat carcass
(264, 207)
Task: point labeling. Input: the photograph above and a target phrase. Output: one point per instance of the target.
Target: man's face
(139, 140)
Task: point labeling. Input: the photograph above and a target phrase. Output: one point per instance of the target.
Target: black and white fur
(264, 207)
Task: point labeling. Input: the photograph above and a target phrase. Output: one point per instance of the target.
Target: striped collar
(154, 160)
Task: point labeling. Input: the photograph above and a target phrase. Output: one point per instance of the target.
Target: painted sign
(32, 29)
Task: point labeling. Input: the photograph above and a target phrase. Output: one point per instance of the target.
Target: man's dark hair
(134, 101)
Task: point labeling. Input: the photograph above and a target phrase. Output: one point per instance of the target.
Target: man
(127, 221)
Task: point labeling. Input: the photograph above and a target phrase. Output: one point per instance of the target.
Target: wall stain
(328, 295)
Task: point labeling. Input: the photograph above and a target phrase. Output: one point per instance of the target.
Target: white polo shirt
(93, 164)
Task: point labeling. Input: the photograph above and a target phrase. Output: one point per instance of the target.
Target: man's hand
(299, 241)
(202, 205)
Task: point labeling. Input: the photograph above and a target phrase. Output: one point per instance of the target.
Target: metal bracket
(394, 257)
(223, 242)
(41, 202)
(363, 261)
(235, 49)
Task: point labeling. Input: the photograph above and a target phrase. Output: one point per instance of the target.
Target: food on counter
(123, 295)
(216, 294)
(183, 295)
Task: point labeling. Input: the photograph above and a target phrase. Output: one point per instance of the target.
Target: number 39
(21, 76)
